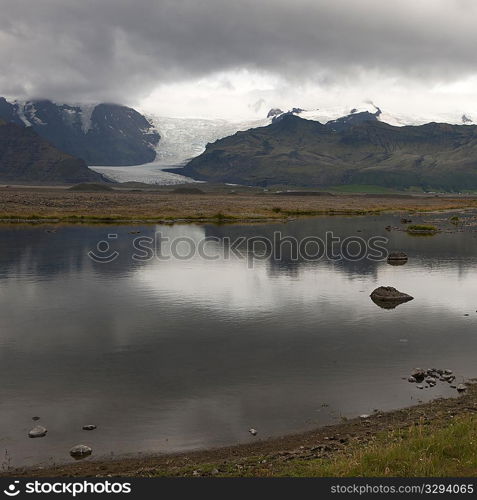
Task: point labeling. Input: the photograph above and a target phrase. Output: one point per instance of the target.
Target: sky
(237, 59)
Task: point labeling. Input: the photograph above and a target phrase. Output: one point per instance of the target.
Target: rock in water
(38, 432)
(461, 387)
(388, 297)
(80, 451)
(418, 374)
(89, 427)
(397, 258)
(253, 432)
(431, 381)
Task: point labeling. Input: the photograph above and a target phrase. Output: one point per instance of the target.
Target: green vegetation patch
(422, 228)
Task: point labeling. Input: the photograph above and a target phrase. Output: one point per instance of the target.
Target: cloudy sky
(223, 58)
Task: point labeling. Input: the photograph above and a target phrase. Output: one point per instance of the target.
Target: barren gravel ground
(28, 203)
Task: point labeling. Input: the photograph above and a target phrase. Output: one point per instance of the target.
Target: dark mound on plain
(305, 193)
(86, 186)
(187, 190)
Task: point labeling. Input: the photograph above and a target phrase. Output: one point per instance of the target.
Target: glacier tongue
(181, 140)
(185, 138)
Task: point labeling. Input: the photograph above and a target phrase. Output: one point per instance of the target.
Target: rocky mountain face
(102, 134)
(357, 149)
(25, 157)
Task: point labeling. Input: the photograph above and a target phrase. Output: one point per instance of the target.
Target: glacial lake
(169, 355)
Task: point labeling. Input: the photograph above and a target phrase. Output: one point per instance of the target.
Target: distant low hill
(357, 149)
(101, 134)
(25, 157)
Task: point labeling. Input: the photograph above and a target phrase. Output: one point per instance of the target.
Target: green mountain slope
(298, 152)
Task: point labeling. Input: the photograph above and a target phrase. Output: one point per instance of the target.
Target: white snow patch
(20, 109)
(85, 116)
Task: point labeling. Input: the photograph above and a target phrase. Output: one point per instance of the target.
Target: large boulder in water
(388, 297)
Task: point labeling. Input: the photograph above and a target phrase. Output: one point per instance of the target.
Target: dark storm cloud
(121, 49)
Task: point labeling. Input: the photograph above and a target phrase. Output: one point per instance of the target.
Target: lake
(168, 355)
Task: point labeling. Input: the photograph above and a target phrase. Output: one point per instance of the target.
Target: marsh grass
(422, 228)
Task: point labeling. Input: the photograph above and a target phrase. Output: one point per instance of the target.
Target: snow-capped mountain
(100, 134)
(185, 138)
(328, 114)
(125, 145)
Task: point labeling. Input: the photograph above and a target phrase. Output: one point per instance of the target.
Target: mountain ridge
(295, 151)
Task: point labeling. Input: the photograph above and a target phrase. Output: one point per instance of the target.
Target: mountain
(101, 134)
(328, 114)
(25, 157)
(360, 149)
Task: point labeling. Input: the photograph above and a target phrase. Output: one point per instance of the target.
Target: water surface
(166, 356)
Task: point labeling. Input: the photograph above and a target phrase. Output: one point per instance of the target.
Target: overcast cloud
(178, 53)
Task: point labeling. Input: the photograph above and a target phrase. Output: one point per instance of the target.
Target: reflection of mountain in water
(52, 250)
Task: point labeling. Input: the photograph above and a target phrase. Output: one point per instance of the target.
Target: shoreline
(276, 457)
(219, 205)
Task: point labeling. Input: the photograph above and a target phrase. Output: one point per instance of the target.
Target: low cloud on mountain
(122, 50)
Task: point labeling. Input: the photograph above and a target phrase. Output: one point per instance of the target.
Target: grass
(422, 228)
(417, 451)
(454, 220)
(363, 188)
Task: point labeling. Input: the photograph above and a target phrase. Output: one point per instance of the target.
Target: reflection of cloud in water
(193, 353)
(231, 285)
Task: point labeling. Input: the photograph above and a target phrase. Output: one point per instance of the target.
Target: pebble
(37, 432)
(461, 387)
(253, 431)
(89, 427)
(431, 381)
